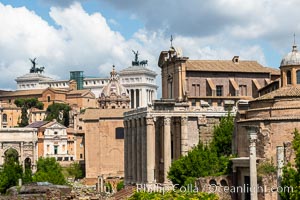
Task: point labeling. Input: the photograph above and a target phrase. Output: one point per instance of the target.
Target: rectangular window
(243, 90)
(81, 155)
(119, 133)
(219, 91)
(55, 150)
(195, 90)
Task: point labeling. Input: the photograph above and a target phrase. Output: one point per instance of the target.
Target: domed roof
(292, 58)
(114, 86)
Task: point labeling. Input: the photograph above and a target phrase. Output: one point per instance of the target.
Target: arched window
(288, 77)
(298, 77)
(4, 117)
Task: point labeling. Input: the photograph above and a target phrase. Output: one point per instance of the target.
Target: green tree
(222, 136)
(11, 172)
(199, 162)
(205, 160)
(75, 170)
(291, 174)
(120, 185)
(60, 112)
(49, 170)
(25, 104)
(27, 176)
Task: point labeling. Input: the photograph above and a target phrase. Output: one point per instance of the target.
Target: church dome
(113, 87)
(292, 58)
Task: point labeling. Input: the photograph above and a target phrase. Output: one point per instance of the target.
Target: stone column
(21, 156)
(140, 97)
(283, 78)
(125, 152)
(280, 164)
(253, 173)
(294, 77)
(167, 147)
(139, 151)
(144, 151)
(34, 156)
(184, 135)
(134, 101)
(179, 84)
(129, 152)
(150, 150)
(133, 147)
(176, 141)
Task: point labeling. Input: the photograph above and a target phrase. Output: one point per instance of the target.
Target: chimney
(235, 59)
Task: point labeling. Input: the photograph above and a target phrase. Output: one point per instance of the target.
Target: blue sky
(93, 35)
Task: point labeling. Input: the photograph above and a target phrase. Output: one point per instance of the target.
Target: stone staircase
(124, 193)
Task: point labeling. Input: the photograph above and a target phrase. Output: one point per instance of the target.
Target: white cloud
(83, 41)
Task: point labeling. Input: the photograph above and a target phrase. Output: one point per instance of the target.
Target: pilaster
(167, 147)
(150, 149)
(184, 135)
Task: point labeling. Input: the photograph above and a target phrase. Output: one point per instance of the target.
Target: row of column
(140, 148)
(150, 95)
(135, 98)
(140, 97)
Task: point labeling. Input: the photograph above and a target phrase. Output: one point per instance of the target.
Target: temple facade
(195, 95)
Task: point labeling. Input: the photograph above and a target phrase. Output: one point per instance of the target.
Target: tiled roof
(273, 71)
(78, 92)
(92, 114)
(22, 93)
(37, 124)
(226, 66)
(52, 123)
(288, 91)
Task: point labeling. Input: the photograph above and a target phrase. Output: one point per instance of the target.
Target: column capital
(184, 120)
(167, 121)
(202, 120)
(149, 121)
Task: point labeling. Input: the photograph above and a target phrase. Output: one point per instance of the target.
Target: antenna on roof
(171, 40)
(294, 45)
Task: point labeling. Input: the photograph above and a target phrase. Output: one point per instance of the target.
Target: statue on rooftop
(136, 56)
(35, 69)
(136, 61)
(32, 70)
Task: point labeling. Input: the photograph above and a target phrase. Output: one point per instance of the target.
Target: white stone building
(139, 81)
(23, 141)
(56, 142)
